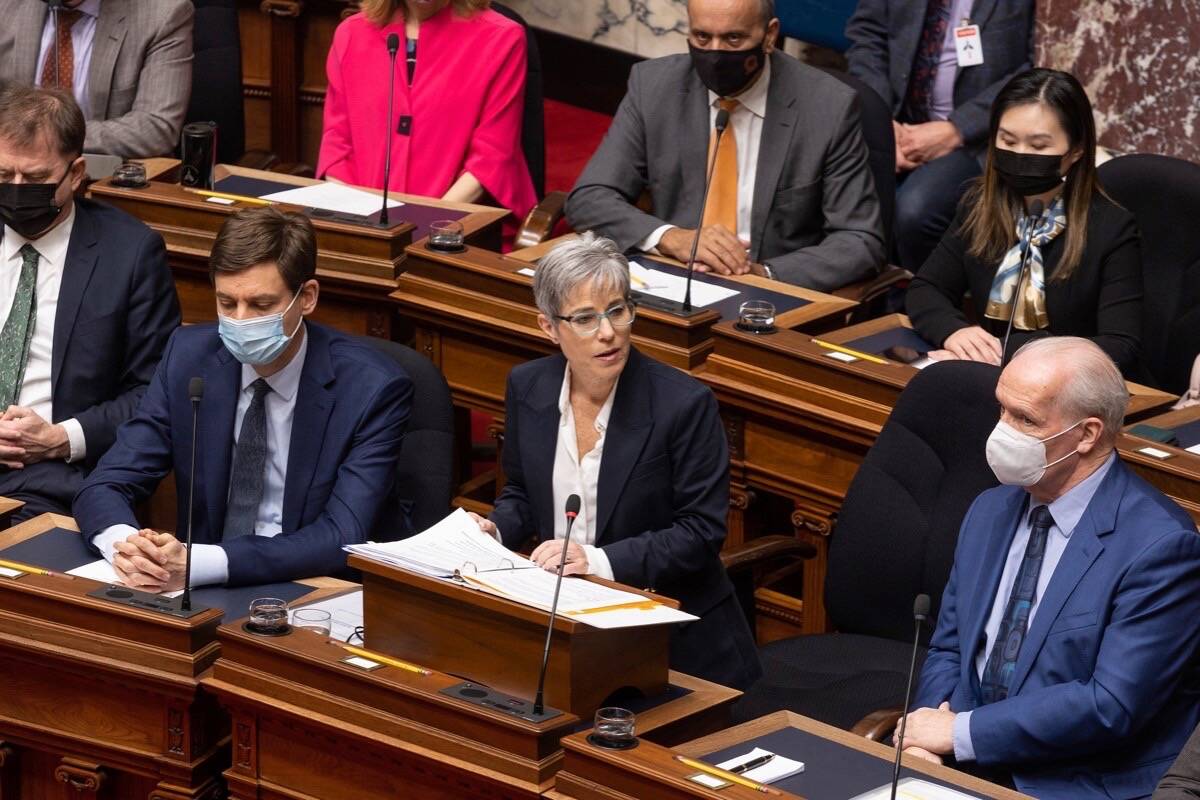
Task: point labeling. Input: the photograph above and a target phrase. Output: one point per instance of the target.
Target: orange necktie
(722, 205)
(66, 53)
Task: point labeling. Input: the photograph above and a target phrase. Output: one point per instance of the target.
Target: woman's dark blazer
(1101, 301)
(663, 496)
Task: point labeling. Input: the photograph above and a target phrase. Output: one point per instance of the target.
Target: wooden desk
(650, 771)
(307, 725)
(1178, 475)
(357, 265)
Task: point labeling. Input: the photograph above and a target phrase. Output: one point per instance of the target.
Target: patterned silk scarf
(1031, 307)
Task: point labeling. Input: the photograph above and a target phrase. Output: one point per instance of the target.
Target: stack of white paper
(776, 769)
(670, 286)
(452, 545)
(332, 197)
(916, 789)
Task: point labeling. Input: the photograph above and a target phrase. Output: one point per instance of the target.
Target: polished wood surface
(651, 772)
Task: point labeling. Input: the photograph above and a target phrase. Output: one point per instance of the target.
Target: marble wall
(1140, 62)
(647, 28)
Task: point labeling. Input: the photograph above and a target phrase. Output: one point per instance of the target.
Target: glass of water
(313, 619)
(268, 615)
(614, 728)
(446, 235)
(756, 316)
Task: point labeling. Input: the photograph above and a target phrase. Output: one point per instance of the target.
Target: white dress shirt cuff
(598, 563)
(964, 748)
(76, 440)
(210, 564)
(650, 243)
(105, 541)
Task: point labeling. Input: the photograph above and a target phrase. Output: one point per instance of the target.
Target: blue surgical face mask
(258, 340)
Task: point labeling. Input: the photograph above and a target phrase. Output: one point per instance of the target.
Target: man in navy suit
(1064, 654)
(299, 430)
(87, 300)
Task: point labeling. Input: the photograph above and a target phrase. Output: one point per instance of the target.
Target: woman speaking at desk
(1084, 274)
(642, 445)
(459, 99)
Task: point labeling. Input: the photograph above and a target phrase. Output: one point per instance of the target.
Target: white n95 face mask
(1019, 459)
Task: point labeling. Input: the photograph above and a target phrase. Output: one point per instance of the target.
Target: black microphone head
(921, 607)
(573, 503)
(1036, 208)
(196, 389)
(393, 43)
(722, 120)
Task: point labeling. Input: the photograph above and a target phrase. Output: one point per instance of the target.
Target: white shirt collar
(754, 98)
(286, 382)
(1069, 509)
(51, 246)
(564, 403)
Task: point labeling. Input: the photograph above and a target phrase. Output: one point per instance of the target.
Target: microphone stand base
(673, 307)
(146, 601)
(478, 695)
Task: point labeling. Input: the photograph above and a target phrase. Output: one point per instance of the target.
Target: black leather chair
(425, 475)
(217, 76)
(1164, 195)
(894, 539)
(533, 128)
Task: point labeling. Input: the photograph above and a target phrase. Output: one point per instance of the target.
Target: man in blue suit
(299, 430)
(1064, 653)
(87, 304)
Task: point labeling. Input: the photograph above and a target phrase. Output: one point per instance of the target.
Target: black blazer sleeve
(513, 513)
(935, 294)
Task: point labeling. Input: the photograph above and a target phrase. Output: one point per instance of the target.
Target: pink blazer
(465, 103)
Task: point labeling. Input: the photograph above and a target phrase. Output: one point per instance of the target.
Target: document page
(916, 789)
(332, 197)
(103, 571)
(670, 286)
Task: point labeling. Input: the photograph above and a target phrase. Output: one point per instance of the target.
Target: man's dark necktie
(249, 467)
(18, 329)
(997, 673)
(919, 99)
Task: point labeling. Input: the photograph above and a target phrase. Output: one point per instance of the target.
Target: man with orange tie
(792, 196)
(127, 62)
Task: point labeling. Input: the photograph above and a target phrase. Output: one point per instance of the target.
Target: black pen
(751, 764)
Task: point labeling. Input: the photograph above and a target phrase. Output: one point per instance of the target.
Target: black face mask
(30, 208)
(727, 72)
(1028, 173)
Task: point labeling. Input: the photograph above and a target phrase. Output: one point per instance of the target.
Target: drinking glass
(313, 619)
(446, 235)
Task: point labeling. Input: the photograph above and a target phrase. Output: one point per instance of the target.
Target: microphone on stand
(572, 511)
(393, 46)
(1035, 214)
(920, 614)
(721, 123)
(195, 392)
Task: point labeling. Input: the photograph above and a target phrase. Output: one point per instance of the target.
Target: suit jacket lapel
(981, 12)
(1082, 550)
(77, 272)
(314, 404)
(539, 420)
(222, 382)
(985, 583)
(778, 128)
(629, 426)
(110, 34)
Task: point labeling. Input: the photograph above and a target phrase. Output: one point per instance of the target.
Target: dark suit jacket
(884, 35)
(663, 497)
(350, 414)
(116, 309)
(816, 215)
(1105, 690)
(1102, 300)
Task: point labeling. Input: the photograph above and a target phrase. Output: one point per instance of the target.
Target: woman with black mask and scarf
(1039, 202)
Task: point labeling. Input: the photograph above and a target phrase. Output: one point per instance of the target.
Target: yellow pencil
(391, 662)
(725, 775)
(640, 605)
(849, 352)
(24, 568)
(240, 198)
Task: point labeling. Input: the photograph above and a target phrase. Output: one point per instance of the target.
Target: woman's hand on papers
(485, 525)
(547, 555)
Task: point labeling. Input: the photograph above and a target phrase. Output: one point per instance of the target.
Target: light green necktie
(18, 329)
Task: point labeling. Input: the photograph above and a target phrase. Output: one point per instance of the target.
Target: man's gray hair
(586, 258)
(1094, 387)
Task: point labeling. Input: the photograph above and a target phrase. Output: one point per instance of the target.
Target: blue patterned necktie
(18, 329)
(997, 674)
(918, 99)
(249, 467)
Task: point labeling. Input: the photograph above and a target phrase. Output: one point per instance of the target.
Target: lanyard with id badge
(968, 45)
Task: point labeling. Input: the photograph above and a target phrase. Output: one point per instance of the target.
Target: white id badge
(968, 45)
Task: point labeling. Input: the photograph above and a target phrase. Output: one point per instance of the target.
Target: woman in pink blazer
(459, 100)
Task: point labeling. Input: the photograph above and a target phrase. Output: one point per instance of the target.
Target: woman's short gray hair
(1094, 387)
(586, 258)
